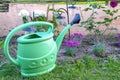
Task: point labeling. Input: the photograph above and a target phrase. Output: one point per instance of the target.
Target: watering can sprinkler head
(76, 19)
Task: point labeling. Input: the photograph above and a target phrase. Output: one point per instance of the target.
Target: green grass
(85, 68)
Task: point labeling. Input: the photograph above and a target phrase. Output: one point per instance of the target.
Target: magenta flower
(118, 35)
(74, 40)
(76, 34)
(64, 43)
(118, 44)
(75, 44)
(113, 3)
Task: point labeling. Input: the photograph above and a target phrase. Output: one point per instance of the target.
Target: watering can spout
(61, 36)
(59, 40)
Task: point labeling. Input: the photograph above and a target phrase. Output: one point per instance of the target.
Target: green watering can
(36, 52)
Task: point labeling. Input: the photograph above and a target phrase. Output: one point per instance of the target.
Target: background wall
(10, 20)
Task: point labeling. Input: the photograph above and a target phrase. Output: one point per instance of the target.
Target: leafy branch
(94, 26)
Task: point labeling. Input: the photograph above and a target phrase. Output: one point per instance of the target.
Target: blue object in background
(76, 19)
(30, 29)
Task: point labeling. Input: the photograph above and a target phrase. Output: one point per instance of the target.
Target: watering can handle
(11, 34)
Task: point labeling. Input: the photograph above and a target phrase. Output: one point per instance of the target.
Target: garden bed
(82, 65)
(87, 44)
(85, 48)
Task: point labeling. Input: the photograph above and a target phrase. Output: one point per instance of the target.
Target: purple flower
(76, 34)
(118, 44)
(81, 36)
(74, 40)
(108, 42)
(72, 35)
(69, 41)
(64, 43)
(113, 3)
(118, 35)
(75, 44)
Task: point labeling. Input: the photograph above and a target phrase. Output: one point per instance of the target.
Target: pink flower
(76, 34)
(75, 44)
(113, 3)
(118, 44)
(118, 35)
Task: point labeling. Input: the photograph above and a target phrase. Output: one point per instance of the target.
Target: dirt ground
(85, 48)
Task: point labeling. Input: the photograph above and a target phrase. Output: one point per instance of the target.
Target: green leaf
(115, 18)
(111, 14)
(51, 9)
(82, 24)
(115, 11)
(90, 28)
(97, 31)
(101, 6)
(86, 9)
(1, 44)
(107, 20)
(106, 24)
(56, 10)
(107, 11)
(100, 22)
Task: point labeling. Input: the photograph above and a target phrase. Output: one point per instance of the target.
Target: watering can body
(36, 56)
(36, 52)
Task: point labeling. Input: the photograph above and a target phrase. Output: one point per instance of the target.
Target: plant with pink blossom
(71, 44)
(99, 27)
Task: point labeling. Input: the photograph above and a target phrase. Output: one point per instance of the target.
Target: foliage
(56, 10)
(99, 49)
(54, 20)
(94, 26)
(85, 68)
(72, 43)
(8, 69)
(40, 18)
(37, 15)
(24, 14)
(1, 46)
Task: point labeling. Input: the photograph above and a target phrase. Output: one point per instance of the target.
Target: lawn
(85, 68)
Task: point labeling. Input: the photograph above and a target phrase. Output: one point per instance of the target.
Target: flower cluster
(74, 40)
(35, 15)
(72, 43)
(38, 13)
(119, 39)
(23, 13)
